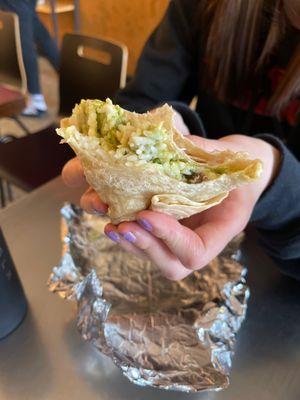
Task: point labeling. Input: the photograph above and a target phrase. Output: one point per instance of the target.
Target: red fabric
(289, 113)
(9, 95)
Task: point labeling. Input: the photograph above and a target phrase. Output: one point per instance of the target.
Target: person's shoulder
(188, 7)
(184, 11)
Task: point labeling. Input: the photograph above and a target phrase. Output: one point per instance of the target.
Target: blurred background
(122, 25)
(121, 20)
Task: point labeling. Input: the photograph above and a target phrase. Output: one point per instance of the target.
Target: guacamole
(117, 136)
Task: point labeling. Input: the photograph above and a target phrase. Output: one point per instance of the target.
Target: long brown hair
(239, 37)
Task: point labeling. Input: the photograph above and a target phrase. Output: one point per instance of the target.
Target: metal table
(45, 358)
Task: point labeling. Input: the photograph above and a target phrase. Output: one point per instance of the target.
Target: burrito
(140, 161)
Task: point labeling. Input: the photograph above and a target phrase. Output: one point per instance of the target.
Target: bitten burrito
(140, 161)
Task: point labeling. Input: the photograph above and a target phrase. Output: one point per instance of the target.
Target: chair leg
(2, 194)
(76, 16)
(20, 123)
(9, 191)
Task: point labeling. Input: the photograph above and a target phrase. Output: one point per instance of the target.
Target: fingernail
(130, 237)
(145, 224)
(113, 236)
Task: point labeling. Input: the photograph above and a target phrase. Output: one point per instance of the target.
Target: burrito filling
(145, 143)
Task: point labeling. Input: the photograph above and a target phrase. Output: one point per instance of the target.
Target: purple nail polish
(130, 237)
(145, 224)
(113, 236)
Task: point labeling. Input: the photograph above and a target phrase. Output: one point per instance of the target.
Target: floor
(49, 83)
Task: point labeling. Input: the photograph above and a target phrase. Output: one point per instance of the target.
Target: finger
(234, 143)
(91, 202)
(112, 232)
(220, 225)
(208, 145)
(155, 249)
(194, 249)
(184, 243)
(179, 124)
(72, 173)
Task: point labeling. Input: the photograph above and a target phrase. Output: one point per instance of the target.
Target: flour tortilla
(128, 189)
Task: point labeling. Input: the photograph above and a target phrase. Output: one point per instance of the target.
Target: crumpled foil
(170, 335)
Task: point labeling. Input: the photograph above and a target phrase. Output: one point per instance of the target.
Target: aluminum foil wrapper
(170, 335)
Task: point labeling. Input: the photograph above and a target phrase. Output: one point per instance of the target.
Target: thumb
(208, 145)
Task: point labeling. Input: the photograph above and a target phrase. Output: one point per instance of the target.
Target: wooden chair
(30, 161)
(90, 68)
(57, 7)
(12, 72)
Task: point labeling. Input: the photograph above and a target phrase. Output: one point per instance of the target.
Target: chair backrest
(12, 71)
(90, 68)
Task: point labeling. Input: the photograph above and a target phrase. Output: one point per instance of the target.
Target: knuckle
(172, 274)
(240, 225)
(65, 173)
(169, 233)
(235, 136)
(72, 173)
(86, 203)
(144, 241)
(145, 246)
(83, 202)
(196, 250)
(193, 261)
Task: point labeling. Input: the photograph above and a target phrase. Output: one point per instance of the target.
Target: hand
(179, 247)
(180, 124)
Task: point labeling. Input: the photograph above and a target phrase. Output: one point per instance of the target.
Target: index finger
(72, 173)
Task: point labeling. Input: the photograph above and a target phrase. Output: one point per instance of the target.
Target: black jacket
(169, 70)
